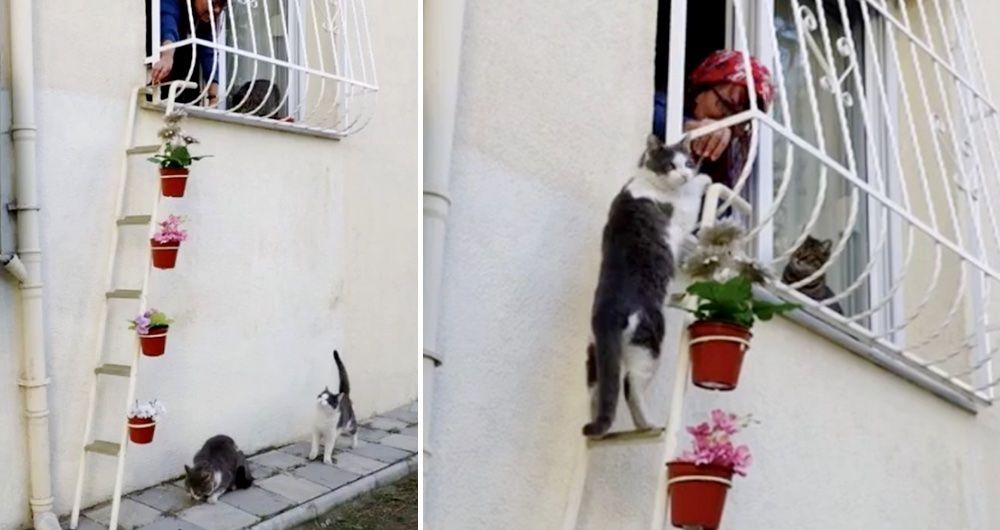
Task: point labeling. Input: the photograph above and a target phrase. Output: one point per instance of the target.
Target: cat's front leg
(214, 498)
(331, 441)
(354, 440)
(314, 450)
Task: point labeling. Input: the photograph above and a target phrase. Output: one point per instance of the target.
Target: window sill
(247, 120)
(880, 356)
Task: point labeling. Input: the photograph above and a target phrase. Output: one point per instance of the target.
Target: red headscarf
(726, 66)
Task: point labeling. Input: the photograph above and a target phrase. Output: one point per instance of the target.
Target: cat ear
(187, 470)
(827, 245)
(653, 142)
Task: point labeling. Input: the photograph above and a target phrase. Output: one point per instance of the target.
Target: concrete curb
(319, 505)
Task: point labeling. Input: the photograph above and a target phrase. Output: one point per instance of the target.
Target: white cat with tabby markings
(334, 416)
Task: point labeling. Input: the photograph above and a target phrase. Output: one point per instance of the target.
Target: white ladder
(121, 220)
(667, 436)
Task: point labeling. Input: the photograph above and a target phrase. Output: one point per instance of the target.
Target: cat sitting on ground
(648, 221)
(807, 259)
(334, 416)
(219, 466)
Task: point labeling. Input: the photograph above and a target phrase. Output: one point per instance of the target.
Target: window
(257, 87)
(304, 65)
(882, 142)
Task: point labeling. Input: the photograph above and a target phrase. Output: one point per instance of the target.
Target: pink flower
(711, 443)
(724, 422)
(170, 230)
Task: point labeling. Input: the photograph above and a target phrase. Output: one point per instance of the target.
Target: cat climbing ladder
(103, 371)
(667, 436)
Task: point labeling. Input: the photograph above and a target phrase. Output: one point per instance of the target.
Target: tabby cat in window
(806, 260)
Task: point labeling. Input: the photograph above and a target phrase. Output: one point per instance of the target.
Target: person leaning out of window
(175, 63)
(717, 89)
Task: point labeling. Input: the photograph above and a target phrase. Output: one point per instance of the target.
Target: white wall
(553, 107)
(298, 245)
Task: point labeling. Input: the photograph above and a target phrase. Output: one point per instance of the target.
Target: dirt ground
(392, 507)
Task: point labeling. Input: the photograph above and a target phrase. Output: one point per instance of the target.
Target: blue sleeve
(170, 13)
(206, 54)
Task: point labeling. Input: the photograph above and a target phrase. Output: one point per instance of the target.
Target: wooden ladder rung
(120, 370)
(143, 149)
(124, 293)
(103, 447)
(134, 220)
(651, 435)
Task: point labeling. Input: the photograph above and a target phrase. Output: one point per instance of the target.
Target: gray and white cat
(334, 416)
(219, 466)
(807, 259)
(648, 221)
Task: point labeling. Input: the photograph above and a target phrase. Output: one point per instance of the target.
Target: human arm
(170, 12)
(712, 145)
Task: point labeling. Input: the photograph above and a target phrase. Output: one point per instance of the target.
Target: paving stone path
(283, 480)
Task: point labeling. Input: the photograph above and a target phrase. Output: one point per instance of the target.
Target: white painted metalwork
(882, 138)
(305, 65)
(103, 370)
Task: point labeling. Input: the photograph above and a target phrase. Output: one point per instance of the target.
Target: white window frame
(763, 186)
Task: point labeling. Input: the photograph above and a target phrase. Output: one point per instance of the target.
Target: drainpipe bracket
(438, 195)
(33, 383)
(13, 207)
(429, 354)
(42, 502)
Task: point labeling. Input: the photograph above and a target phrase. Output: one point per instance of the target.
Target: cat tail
(608, 353)
(244, 477)
(345, 385)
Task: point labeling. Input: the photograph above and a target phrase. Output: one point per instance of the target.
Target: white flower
(151, 409)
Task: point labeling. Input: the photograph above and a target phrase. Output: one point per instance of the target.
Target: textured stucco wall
(297, 245)
(552, 111)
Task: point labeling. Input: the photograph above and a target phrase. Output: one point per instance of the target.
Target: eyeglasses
(730, 107)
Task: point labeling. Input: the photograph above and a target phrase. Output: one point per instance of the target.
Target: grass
(392, 507)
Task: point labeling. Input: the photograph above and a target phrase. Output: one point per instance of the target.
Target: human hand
(161, 69)
(710, 146)
(213, 94)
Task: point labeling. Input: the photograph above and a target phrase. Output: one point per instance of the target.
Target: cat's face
(811, 255)
(673, 163)
(200, 482)
(327, 400)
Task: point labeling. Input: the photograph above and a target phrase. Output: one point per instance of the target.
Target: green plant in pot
(722, 302)
(174, 157)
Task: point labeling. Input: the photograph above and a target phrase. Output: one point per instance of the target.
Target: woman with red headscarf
(717, 89)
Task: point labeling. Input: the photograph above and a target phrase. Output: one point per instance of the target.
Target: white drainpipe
(26, 266)
(443, 21)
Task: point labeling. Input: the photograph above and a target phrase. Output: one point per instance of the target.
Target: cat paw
(329, 461)
(597, 427)
(313, 455)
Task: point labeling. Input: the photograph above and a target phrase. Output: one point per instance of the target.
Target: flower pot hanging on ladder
(142, 418)
(174, 158)
(717, 350)
(152, 327)
(166, 242)
(173, 181)
(698, 481)
(723, 305)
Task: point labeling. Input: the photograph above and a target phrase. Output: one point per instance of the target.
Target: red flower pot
(154, 343)
(164, 254)
(717, 350)
(697, 494)
(173, 180)
(141, 430)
